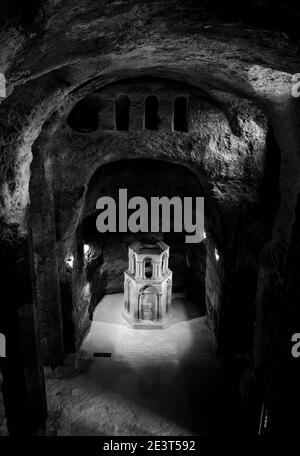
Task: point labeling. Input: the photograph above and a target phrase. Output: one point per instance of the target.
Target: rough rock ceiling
(60, 50)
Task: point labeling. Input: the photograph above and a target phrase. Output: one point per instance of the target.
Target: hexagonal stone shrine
(148, 286)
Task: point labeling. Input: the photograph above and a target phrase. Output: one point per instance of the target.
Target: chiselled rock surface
(235, 64)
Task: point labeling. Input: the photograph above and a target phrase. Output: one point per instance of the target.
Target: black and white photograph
(149, 224)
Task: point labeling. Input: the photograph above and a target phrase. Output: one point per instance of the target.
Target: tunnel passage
(215, 156)
(230, 152)
(104, 256)
(141, 372)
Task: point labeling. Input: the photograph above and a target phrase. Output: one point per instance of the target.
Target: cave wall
(218, 146)
(37, 86)
(23, 379)
(146, 178)
(81, 291)
(103, 265)
(214, 277)
(43, 239)
(52, 54)
(220, 152)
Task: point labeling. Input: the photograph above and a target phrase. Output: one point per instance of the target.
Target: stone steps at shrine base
(149, 324)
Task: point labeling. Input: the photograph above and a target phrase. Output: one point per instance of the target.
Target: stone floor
(156, 382)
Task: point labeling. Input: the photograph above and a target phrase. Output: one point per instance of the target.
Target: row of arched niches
(133, 105)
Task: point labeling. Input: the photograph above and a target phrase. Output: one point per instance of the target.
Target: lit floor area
(149, 382)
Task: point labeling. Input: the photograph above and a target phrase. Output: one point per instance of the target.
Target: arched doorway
(148, 268)
(148, 303)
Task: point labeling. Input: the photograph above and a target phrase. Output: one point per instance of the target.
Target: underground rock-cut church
(148, 286)
(164, 98)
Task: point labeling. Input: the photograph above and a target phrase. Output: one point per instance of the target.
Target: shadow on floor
(163, 382)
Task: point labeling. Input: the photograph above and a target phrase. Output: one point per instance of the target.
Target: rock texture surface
(236, 65)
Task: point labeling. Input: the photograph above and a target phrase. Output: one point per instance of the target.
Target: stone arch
(43, 210)
(75, 213)
(148, 305)
(75, 203)
(148, 268)
(83, 118)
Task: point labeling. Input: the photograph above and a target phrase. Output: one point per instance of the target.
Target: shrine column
(139, 270)
(130, 262)
(158, 312)
(154, 270)
(138, 304)
(127, 296)
(158, 270)
(169, 296)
